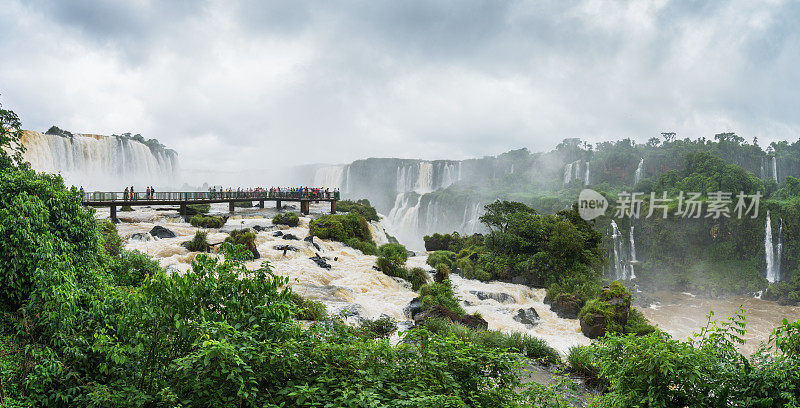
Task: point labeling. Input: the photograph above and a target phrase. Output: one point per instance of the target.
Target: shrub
(368, 248)
(126, 208)
(418, 278)
(442, 257)
(390, 268)
(395, 252)
(132, 267)
(361, 207)
(199, 243)
(291, 219)
(440, 293)
(442, 273)
(243, 204)
(111, 240)
(193, 209)
(246, 238)
(309, 309)
(638, 324)
(382, 327)
(341, 227)
(391, 259)
(529, 346)
(581, 362)
(200, 221)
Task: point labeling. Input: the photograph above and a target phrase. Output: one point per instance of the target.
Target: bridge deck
(184, 198)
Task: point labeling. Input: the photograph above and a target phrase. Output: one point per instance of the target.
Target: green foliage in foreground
(530, 347)
(309, 309)
(367, 248)
(446, 258)
(361, 207)
(705, 371)
(131, 268)
(291, 219)
(200, 221)
(110, 237)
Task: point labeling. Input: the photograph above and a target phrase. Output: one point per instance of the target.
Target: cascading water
(567, 173)
(623, 260)
(773, 261)
(586, 174)
(633, 254)
(425, 178)
(471, 223)
(404, 220)
(95, 161)
(639, 171)
(329, 177)
(775, 169)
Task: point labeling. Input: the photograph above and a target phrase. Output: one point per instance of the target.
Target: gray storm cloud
(254, 85)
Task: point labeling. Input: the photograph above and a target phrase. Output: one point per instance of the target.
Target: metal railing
(115, 196)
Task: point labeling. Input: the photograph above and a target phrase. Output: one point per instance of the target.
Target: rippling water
(681, 314)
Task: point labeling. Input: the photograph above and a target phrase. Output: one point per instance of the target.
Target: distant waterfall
(639, 171)
(773, 266)
(775, 169)
(96, 161)
(404, 220)
(329, 177)
(567, 173)
(623, 257)
(586, 174)
(633, 254)
(471, 223)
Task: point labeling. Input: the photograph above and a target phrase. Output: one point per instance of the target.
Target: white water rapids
(351, 283)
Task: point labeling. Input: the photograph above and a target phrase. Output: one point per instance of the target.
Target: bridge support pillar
(230, 207)
(333, 207)
(261, 204)
(305, 207)
(113, 216)
(278, 204)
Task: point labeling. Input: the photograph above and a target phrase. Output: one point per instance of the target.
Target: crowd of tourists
(274, 192)
(129, 194)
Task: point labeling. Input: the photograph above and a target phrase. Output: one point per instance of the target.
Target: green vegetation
(440, 294)
(131, 268)
(418, 278)
(380, 328)
(705, 371)
(199, 242)
(200, 221)
(246, 239)
(445, 258)
(391, 261)
(291, 219)
(786, 293)
(126, 208)
(614, 315)
(193, 209)
(361, 207)
(110, 238)
(243, 204)
(309, 309)
(351, 229)
(451, 242)
(528, 346)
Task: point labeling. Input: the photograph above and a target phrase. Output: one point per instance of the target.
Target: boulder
(437, 311)
(161, 232)
(256, 254)
(593, 325)
(285, 248)
(411, 253)
(474, 322)
(290, 237)
(498, 296)
(609, 312)
(321, 262)
(309, 238)
(566, 306)
(277, 234)
(141, 236)
(528, 317)
(412, 308)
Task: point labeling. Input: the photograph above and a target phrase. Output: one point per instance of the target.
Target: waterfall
(329, 177)
(449, 175)
(471, 223)
(639, 170)
(424, 178)
(567, 173)
(96, 161)
(779, 250)
(347, 180)
(586, 175)
(619, 271)
(404, 220)
(769, 250)
(633, 254)
(775, 169)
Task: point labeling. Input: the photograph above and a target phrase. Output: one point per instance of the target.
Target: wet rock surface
(528, 317)
(498, 296)
(161, 232)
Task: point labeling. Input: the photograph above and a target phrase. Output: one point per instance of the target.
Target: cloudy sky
(238, 84)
